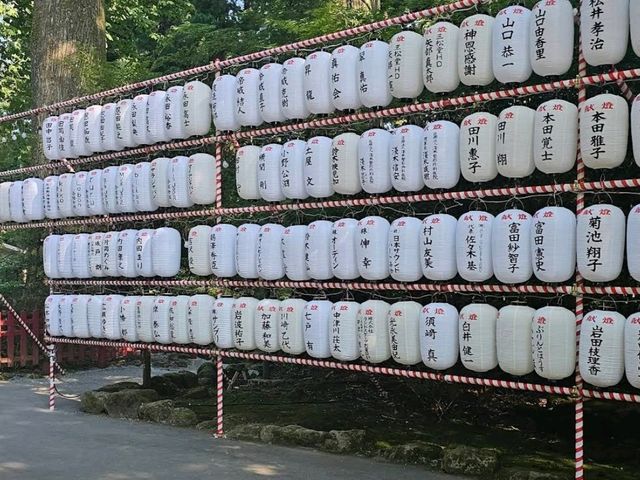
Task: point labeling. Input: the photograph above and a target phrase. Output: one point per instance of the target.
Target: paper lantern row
(161, 116)
(143, 187)
(129, 253)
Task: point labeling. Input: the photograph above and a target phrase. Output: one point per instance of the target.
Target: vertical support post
(52, 376)
(219, 397)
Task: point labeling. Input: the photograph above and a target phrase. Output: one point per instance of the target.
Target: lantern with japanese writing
(267, 325)
(64, 309)
(64, 135)
(440, 60)
(178, 325)
(247, 108)
(144, 318)
(511, 246)
(64, 194)
(317, 250)
(293, 252)
(155, 116)
(604, 31)
(477, 337)
(292, 326)
(555, 136)
(222, 250)
(78, 194)
(80, 256)
(601, 357)
(553, 245)
(345, 170)
(15, 202)
(317, 321)
(344, 237)
(375, 162)
(551, 37)
(406, 158)
(94, 315)
(92, 140)
(79, 323)
(124, 189)
(344, 331)
(511, 61)
(201, 174)
(128, 330)
(139, 120)
(438, 247)
(553, 341)
(514, 142)
(474, 245)
(247, 172)
(404, 65)
(166, 247)
(111, 316)
(438, 333)
(478, 147)
(440, 154)
(372, 248)
(246, 250)
(196, 108)
(76, 131)
(222, 322)
(160, 320)
(124, 127)
(292, 169)
(199, 319)
(198, 250)
(173, 117)
(110, 254)
(373, 335)
(404, 249)
(292, 92)
(179, 182)
(160, 181)
(95, 255)
(604, 130)
(243, 314)
(513, 338)
(65, 250)
(269, 101)
(50, 198)
(33, 199)
(50, 256)
(142, 188)
(317, 83)
(52, 315)
(144, 252)
(50, 146)
(223, 103)
(635, 125)
(475, 40)
(269, 252)
(344, 82)
(633, 242)
(317, 167)
(404, 328)
(631, 349)
(95, 205)
(126, 263)
(600, 242)
(373, 87)
(268, 176)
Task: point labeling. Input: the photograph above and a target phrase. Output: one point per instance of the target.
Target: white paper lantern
(292, 326)
(80, 256)
(404, 328)
(345, 170)
(111, 317)
(375, 161)
(600, 242)
(124, 188)
(293, 253)
(160, 181)
(95, 205)
(144, 253)
(196, 111)
(604, 130)
(635, 126)
(438, 334)
(555, 136)
(317, 83)
(50, 144)
(94, 315)
(406, 158)
(269, 101)
(601, 359)
(247, 172)
(126, 257)
(373, 336)
(144, 318)
(513, 339)
(222, 322)
(15, 202)
(178, 324)
(33, 199)
(631, 349)
(243, 314)
(514, 142)
(50, 256)
(108, 133)
(65, 252)
(553, 251)
(475, 50)
(64, 308)
(128, 319)
(142, 188)
(372, 248)
(317, 247)
(76, 132)
(440, 60)
(160, 319)
(270, 264)
(179, 182)
(404, 249)
(109, 184)
(344, 82)
(344, 259)
(440, 154)
(223, 103)
(64, 136)
(95, 255)
(124, 125)
(511, 63)
(267, 325)
(246, 250)
(292, 169)
(79, 200)
(633, 242)
(92, 139)
(247, 108)
(473, 246)
(64, 194)
(78, 316)
(202, 178)
(173, 118)
(222, 250)
(551, 37)
(199, 319)
(634, 12)
(52, 315)
(50, 199)
(139, 120)
(553, 342)
(317, 167)
(373, 87)
(166, 246)
(198, 250)
(511, 246)
(344, 331)
(404, 67)
(477, 337)
(155, 116)
(317, 320)
(110, 254)
(292, 92)
(604, 31)
(269, 179)
(5, 208)
(478, 147)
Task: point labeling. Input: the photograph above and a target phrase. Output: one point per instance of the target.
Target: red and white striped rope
(531, 387)
(52, 377)
(607, 290)
(136, 346)
(219, 397)
(618, 396)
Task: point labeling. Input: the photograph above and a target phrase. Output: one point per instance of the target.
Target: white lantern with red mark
(604, 131)
(633, 242)
(111, 317)
(143, 188)
(600, 247)
(223, 103)
(317, 322)
(635, 128)
(196, 108)
(511, 246)
(160, 320)
(317, 167)
(601, 358)
(404, 66)
(344, 82)
(50, 256)
(5, 208)
(76, 130)
(475, 50)
(201, 174)
(243, 314)
(551, 37)
(440, 60)
(247, 172)
(373, 335)
(406, 158)
(477, 337)
(198, 250)
(166, 246)
(292, 92)
(52, 315)
(553, 342)
(344, 331)
(79, 322)
(373, 87)
(269, 252)
(292, 169)
(317, 247)
(474, 246)
(372, 248)
(95, 205)
(267, 325)
(293, 252)
(124, 189)
(64, 309)
(441, 154)
(478, 147)
(511, 62)
(179, 182)
(604, 31)
(246, 250)
(139, 120)
(65, 250)
(404, 329)
(155, 116)
(222, 322)
(199, 319)
(514, 142)
(375, 161)
(269, 101)
(33, 199)
(317, 83)
(65, 195)
(95, 255)
(15, 202)
(292, 326)
(178, 321)
(79, 200)
(222, 250)
(126, 263)
(247, 106)
(50, 145)
(144, 318)
(124, 126)
(404, 249)
(80, 256)
(631, 349)
(345, 170)
(144, 253)
(128, 330)
(553, 244)
(50, 198)
(92, 140)
(555, 136)
(344, 237)
(110, 254)
(173, 117)
(438, 333)
(64, 135)
(160, 181)
(513, 339)
(269, 178)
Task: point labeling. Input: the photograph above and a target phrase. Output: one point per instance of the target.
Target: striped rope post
(52, 376)
(219, 397)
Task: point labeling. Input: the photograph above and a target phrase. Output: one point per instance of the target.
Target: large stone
(119, 386)
(418, 453)
(125, 404)
(521, 474)
(200, 391)
(182, 379)
(182, 417)
(250, 432)
(298, 436)
(208, 425)
(207, 374)
(469, 460)
(158, 412)
(164, 386)
(345, 441)
(93, 402)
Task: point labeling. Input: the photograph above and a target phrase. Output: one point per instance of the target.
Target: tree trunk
(68, 50)
(371, 5)
(146, 369)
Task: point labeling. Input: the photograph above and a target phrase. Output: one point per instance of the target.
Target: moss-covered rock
(182, 417)
(522, 474)
(126, 403)
(469, 460)
(158, 412)
(183, 379)
(417, 453)
(345, 441)
(207, 374)
(119, 386)
(299, 436)
(93, 402)
(208, 425)
(250, 432)
(164, 386)
(200, 391)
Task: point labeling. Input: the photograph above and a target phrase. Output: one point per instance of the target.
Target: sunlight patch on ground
(261, 469)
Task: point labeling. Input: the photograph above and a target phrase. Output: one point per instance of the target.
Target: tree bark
(146, 369)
